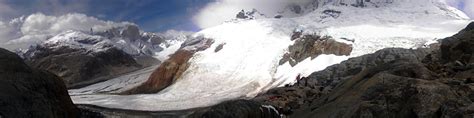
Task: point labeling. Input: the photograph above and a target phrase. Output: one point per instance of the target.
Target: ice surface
(248, 62)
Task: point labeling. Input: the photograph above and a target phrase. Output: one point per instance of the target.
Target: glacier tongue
(248, 62)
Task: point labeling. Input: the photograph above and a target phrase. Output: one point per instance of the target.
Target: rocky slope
(170, 70)
(79, 67)
(435, 82)
(29, 92)
(84, 58)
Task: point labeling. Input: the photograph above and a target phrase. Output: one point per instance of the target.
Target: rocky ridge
(84, 58)
(29, 92)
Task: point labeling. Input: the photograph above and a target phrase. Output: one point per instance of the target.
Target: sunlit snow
(248, 63)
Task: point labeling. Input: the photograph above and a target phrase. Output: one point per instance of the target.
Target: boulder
(27, 92)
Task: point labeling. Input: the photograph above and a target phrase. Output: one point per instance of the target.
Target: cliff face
(28, 92)
(171, 69)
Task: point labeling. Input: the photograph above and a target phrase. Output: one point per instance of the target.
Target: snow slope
(248, 62)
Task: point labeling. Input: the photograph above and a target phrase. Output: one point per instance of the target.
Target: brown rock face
(312, 46)
(172, 69)
(30, 93)
(166, 74)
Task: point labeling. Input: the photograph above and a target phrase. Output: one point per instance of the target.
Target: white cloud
(43, 24)
(469, 8)
(25, 31)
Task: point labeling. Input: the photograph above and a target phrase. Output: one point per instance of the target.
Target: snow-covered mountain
(127, 38)
(244, 58)
(84, 50)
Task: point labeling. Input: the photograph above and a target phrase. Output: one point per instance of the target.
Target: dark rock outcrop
(131, 32)
(172, 69)
(31, 93)
(249, 15)
(239, 108)
(78, 66)
(307, 46)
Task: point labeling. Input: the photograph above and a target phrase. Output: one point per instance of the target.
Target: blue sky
(150, 15)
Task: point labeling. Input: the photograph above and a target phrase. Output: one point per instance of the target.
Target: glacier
(248, 62)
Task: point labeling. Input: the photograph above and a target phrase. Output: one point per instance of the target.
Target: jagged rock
(219, 47)
(172, 69)
(306, 46)
(249, 15)
(238, 109)
(80, 67)
(241, 15)
(29, 92)
(131, 32)
(332, 75)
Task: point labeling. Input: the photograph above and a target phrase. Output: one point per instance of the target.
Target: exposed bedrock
(171, 69)
(27, 92)
(311, 46)
(80, 67)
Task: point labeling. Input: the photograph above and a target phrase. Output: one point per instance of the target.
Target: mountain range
(326, 58)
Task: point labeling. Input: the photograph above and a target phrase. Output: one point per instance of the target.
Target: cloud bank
(469, 8)
(24, 31)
